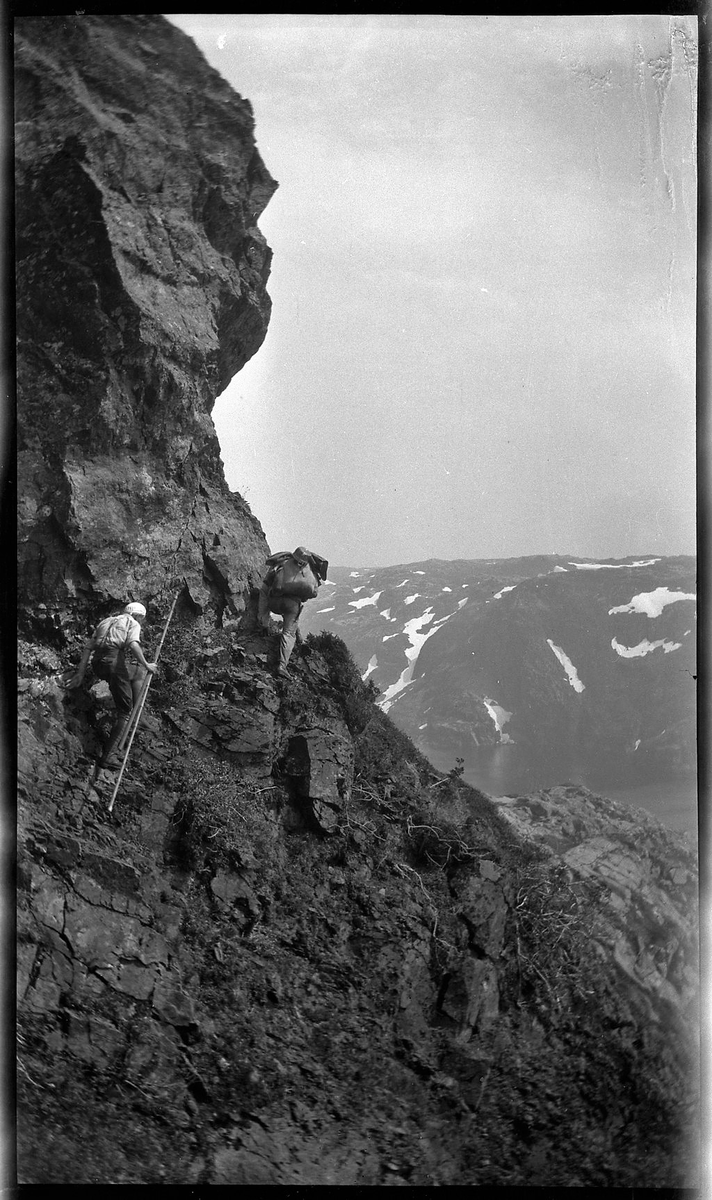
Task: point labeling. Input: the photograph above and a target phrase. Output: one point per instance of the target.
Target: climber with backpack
(117, 657)
(291, 580)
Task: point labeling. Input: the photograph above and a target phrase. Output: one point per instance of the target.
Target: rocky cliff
(294, 953)
(141, 291)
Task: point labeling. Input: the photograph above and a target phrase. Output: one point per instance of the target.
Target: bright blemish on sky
(568, 666)
(644, 648)
(652, 603)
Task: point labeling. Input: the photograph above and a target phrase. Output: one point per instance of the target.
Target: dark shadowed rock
(141, 291)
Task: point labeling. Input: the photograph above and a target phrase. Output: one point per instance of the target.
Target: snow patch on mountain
(417, 641)
(410, 599)
(386, 612)
(447, 589)
(387, 637)
(643, 648)
(498, 595)
(652, 603)
(461, 602)
(568, 666)
(359, 588)
(419, 572)
(372, 664)
(500, 716)
(321, 610)
(561, 569)
(647, 562)
(400, 585)
(366, 600)
(354, 575)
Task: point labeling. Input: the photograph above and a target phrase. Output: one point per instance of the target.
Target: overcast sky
(482, 340)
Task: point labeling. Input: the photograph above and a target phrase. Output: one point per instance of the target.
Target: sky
(482, 341)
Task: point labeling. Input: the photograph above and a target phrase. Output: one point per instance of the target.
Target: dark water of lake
(501, 771)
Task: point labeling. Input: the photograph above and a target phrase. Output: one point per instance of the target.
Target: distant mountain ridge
(547, 656)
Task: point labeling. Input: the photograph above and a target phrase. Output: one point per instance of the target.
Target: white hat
(135, 609)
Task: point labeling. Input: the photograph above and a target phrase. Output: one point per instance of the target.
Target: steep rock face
(141, 291)
(294, 952)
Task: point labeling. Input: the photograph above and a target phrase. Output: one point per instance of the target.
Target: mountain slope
(540, 660)
(294, 953)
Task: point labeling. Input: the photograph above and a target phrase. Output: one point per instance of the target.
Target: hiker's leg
(137, 677)
(122, 695)
(290, 627)
(117, 730)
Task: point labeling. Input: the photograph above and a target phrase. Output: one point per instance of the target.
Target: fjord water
(505, 771)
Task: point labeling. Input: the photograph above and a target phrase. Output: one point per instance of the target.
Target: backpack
(291, 579)
(110, 633)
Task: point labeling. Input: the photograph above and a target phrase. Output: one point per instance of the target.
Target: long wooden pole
(135, 712)
(140, 704)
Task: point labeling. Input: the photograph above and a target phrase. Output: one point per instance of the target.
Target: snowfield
(652, 603)
(646, 562)
(568, 666)
(500, 716)
(643, 648)
(417, 641)
(366, 600)
(372, 665)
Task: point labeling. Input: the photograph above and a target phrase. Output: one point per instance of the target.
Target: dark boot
(114, 738)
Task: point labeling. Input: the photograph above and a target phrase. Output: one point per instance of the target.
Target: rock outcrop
(293, 952)
(141, 291)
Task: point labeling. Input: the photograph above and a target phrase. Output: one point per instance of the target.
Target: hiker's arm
(78, 678)
(135, 649)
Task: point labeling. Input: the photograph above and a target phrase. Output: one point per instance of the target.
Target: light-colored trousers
(286, 607)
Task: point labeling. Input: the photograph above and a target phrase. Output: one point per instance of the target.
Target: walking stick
(139, 706)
